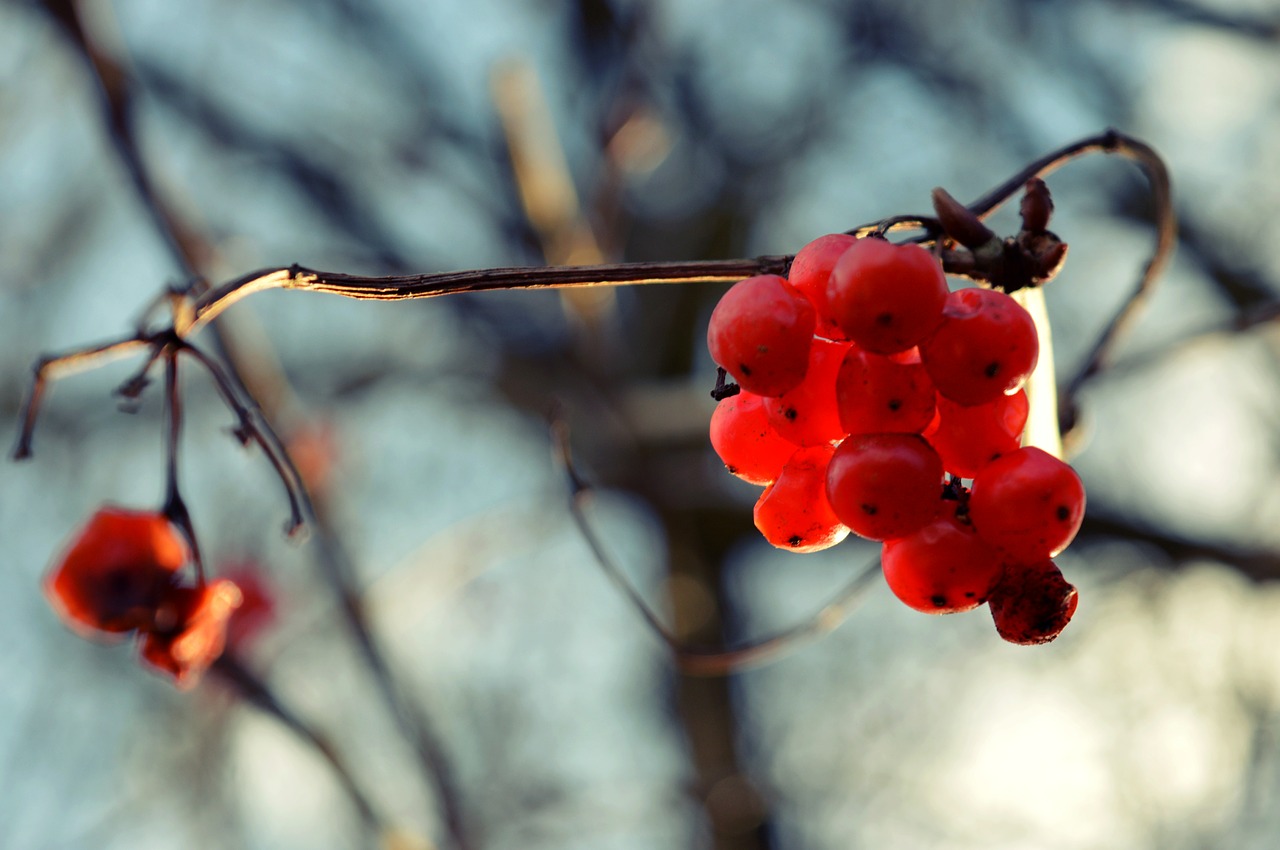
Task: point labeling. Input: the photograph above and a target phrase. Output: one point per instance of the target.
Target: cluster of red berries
(868, 393)
(123, 573)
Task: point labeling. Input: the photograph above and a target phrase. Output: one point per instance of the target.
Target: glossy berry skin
(191, 632)
(885, 297)
(116, 571)
(808, 415)
(810, 272)
(746, 442)
(1032, 604)
(943, 568)
(985, 347)
(793, 513)
(760, 333)
(879, 394)
(968, 438)
(1028, 504)
(885, 485)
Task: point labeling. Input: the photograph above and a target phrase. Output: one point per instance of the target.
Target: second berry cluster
(869, 395)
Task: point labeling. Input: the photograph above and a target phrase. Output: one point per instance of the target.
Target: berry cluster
(869, 393)
(123, 573)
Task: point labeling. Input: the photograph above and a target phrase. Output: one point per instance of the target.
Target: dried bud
(959, 223)
(1037, 206)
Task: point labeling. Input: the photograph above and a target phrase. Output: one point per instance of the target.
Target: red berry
(807, 415)
(943, 568)
(810, 272)
(115, 572)
(793, 513)
(885, 297)
(760, 333)
(985, 347)
(1028, 504)
(884, 485)
(878, 394)
(1032, 604)
(193, 631)
(968, 438)
(746, 442)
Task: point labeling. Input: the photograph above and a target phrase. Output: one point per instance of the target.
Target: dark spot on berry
(791, 414)
(969, 594)
(1064, 513)
(733, 470)
(938, 600)
(895, 404)
(869, 509)
(794, 540)
(884, 320)
(993, 369)
(762, 349)
(744, 368)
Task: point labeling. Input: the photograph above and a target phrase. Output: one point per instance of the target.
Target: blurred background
(446, 628)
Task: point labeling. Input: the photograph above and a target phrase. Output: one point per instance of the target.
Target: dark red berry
(942, 568)
(1028, 504)
(879, 394)
(793, 512)
(884, 485)
(808, 415)
(192, 631)
(970, 437)
(760, 333)
(985, 347)
(811, 271)
(746, 442)
(885, 297)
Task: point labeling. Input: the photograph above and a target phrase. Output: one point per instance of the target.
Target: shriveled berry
(1033, 603)
(793, 512)
(1028, 504)
(760, 333)
(885, 297)
(885, 485)
(943, 568)
(985, 347)
(879, 394)
(970, 437)
(115, 571)
(810, 272)
(807, 415)
(746, 442)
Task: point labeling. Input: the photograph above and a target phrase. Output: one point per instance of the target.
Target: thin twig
(257, 693)
(253, 426)
(174, 506)
(700, 660)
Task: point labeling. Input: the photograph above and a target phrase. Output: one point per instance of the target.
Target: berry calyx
(1028, 504)
(745, 441)
(885, 297)
(116, 571)
(793, 512)
(985, 347)
(760, 333)
(943, 568)
(884, 485)
(1032, 604)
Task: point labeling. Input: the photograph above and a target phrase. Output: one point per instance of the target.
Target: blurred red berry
(114, 575)
(191, 630)
(258, 607)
